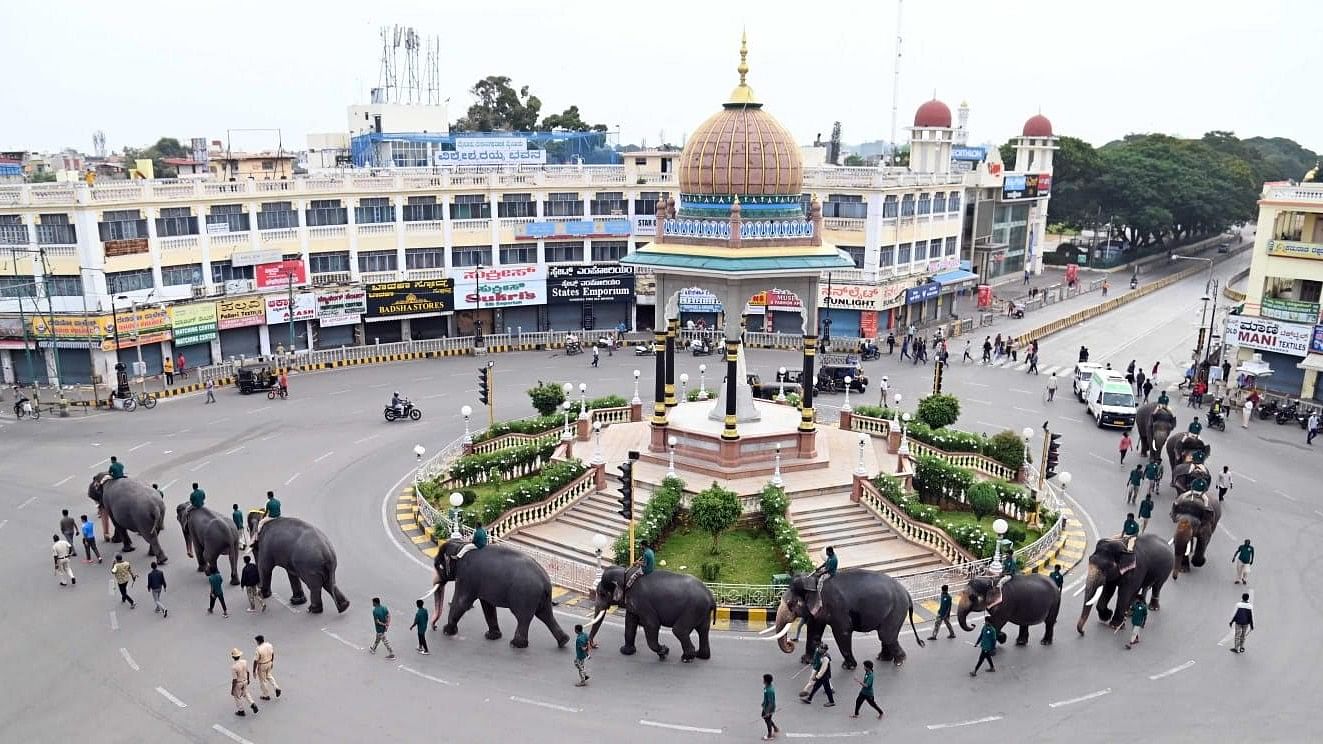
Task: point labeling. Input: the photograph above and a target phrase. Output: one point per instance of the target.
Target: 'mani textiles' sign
(1269, 335)
(410, 298)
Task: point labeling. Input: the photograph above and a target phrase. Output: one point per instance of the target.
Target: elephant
(1155, 423)
(1025, 600)
(1196, 514)
(1127, 575)
(853, 601)
(1184, 443)
(1185, 475)
(208, 535)
(133, 506)
(662, 598)
(304, 552)
(496, 576)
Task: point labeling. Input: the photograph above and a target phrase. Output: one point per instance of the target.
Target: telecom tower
(407, 84)
(99, 144)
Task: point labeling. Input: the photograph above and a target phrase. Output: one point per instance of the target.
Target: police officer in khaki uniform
(264, 660)
(239, 679)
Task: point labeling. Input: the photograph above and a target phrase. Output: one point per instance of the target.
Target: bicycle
(146, 400)
(280, 391)
(25, 408)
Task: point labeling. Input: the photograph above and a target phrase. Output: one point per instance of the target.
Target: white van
(1080, 380)
(1110, 399)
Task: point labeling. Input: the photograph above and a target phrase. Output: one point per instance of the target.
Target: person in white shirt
(1224, 483)
(884, 386)
(61, 552)
(1312, 425)
(1245, 413)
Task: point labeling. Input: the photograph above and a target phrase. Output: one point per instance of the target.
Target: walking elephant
(304, 552)
(496, 576)
(853, 601)
(208, 535)
(1113, 571)
(662, 598)
(1190, 476)
(1155, 423)
(1196, 514)
(1024, 600)
(133, 506)
(1183, 444)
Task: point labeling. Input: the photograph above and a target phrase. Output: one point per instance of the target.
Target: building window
(849, 206)
(425, 258)
(374, 210)
(186, 275)
(610, 250)
(640, 161)
(477, 255)
(222, 271)
(471, 207)
(889, 208)
(886, 256)
(118, 282)
(518, 254)
(1289, 226)
(951, 246)
(122, 224)
(925, 204)
(22, 286)
(422, 209)
(176, 221)
(231, 216)
(377, 261)
(54, 229)
(646, 203)
(856, 252)
(903, 256)
(326, 263)
(609, 203)
(64, 286)
(907, 205)
(516, 205)
(563, 204)
(12, 230)
(277, 216)
(939, 202)
(953, 203)
(920, 250)
(565, 252)
(323, 212)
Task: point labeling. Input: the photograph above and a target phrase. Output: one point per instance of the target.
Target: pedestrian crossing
(1063, 371)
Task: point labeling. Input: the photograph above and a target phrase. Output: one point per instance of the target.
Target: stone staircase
(570, 534)
(861, 539)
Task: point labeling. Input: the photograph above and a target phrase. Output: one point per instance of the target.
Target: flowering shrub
(935, 478)
(657, 517)
(879, 412)
(891, 490)
(524, 491)
(774, 503)
(982, 497)
(549, 423)
(1010, 493)
(500, 465)
(971, 537)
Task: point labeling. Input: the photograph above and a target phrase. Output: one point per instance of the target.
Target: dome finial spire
(743, 94)
(743, 69)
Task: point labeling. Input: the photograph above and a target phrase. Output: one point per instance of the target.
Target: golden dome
(741, 150)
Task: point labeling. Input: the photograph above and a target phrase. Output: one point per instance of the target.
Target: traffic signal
(484, 385)
(1053, 458)
(937, 377)
(627, 490)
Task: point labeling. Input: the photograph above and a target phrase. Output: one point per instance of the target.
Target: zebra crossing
(1061, 370)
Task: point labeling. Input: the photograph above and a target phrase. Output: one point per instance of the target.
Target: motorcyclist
(397, 403)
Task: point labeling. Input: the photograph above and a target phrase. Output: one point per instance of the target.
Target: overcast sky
(1099, 70)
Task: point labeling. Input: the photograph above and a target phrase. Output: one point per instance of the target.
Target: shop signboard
(695, 300)
(140, 326)
(1295, 249)
(408, 299)
(615, 227)
(240, 312)
(277, 307)
(194, 323)
(602, 283)
(969, 154)
(255, 257)
(922, 293)
(1290, 310)
(336, 307)
(1316, 343)
(277, 275)
(499, 286)
(1266, 334)
(490, 151)
(1025, 186)
(868, 324)
(126, 247)
(862, 296)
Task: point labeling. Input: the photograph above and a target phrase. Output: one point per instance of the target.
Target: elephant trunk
(962, 613)
(1093, 588)
(600, 607)
(1180, 546)
(784, 616)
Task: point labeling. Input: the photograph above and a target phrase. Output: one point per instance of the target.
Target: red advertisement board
(276, 275)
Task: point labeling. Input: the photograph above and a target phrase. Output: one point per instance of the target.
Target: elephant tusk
(767, 630)
(598, 617)
(430, 592)
(780, 635)
(1094, 599)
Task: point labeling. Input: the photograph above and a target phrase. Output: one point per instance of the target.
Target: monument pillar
(672, 332)
(728, 431)
(807, 425)
(659, 422)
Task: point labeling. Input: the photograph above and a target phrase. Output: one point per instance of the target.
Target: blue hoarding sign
(922, 293)
(614, 227)
(969, 154)
(1316, 343)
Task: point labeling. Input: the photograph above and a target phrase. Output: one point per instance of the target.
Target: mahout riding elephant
(1155, 423)
(1113, 571)
(853, 601)
(208, 535)
(1183, 444)
(1196, 514)
(662, 598)
(1188, 476)
(496, 576)
(1024, 600)
(304, 552)
(133, 506)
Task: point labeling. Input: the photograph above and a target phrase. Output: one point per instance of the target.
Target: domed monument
(740, 227)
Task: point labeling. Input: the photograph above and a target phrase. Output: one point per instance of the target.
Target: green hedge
(501, 464)
(998, 447)
(657, 517)
(934, 478)
(548, 423)
(774, 503)
(488, 506)
(878, 412)
(891, 489)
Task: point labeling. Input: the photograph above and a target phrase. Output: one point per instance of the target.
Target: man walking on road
(1133, 483)
(821, 679)
(68, 527)
(1312, 426)
(943, 616)
(866, 692)
(250, 579)
(1138, 616)
(123, 573)
(1057, 577)
(769, 708)
(1145, 512)
(581, 655)
(237, 516)
(1130, 528)
(596, 355)
(217, 592)
(264, 661)
(61, 551)
(1245, 412)
(211, 392)
(1147, 388)
(156, 585)
(1224, 483)
(380, 623)
(987, 350)
(1051, 387)
(987, 646)
(968, 357)
(420, 623)
(1243, 621)
(89, 540)
(1153, 473)
(1125, 444)
(884, 387)
(239, 681)
(1244, 558)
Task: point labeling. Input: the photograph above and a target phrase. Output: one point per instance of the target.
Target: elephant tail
(160, 520)
(917, 638)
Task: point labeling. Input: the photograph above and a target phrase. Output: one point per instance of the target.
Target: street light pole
(477, 306)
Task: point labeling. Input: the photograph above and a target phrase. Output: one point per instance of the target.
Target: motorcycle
(572, 348)
(870, 354)
(1216, 421)
(1287, 412)
(407, 410)
(1134, 283)
(1267, 409)
(701, 348)
(271, 394)
(643, 350)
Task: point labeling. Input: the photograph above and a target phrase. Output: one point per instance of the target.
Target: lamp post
(466, 412)
(781, 389)
(776, 473)
(418, 452)
(636, 400)
(565, 433)
(1026, 434)
(598, 457)
(140, 369)
(895, 411)
(860, 470)
(904, 448)
(702, 382)
(456, 501)
(599, 543)
(583, 400)
(477, 306)
(999, 526)
(845, 407)
(670, 466)
(684, 386)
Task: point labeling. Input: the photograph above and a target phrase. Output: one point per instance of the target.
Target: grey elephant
(1155, 422)
(662, 598)
(304, 552)
(133, 506)
(853, 601)
(1184, 444)
(208, 535)
(1189, 476)
(496, 576)
(1196, 514)
(1024, 600)
(1113, 571)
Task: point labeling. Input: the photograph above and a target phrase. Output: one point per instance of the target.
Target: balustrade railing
(545, 510)
(933, 538)
(878, 427)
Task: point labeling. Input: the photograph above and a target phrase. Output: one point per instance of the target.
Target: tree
(499, 107)
(853, 161)
(165, 147)
(1281, 158)
(1076, 169)
(571, 120)
(547, 397)
(834, 147)
(937, 411)
(982, 497)
(714, 511)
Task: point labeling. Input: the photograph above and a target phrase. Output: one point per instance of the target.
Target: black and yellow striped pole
(728, 430)
(806, 384)
(659, 352)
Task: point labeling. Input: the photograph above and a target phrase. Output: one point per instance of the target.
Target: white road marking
(171, 483)
(977, 384)
(98, 464)
(678, 727)
(1223, 527)
(838, 735)
(114, 620)
(138, 446)
(184, 431)
(168, 452)
(1097, 456)
(29, 500)
(236, 449)
(438, 395)
(339, 392)
(3, 522)
(291, 479)
(986, 719)
(1081, 698)
(268, 436)
(111, 588)
(166, 694)
(988, 423)
(350, 644)
(1019, 390)
(1239, 474)
(1025, 410)
(382, 385)
(199, 466)
(61, 482)
(540, 704)
(425, 377)
(325, 455)
(1284, 494)
(979, 400)
(1071, 418)
(1176, 669)
(1316, 511)
(366, 439)
(287, 605)
(258, 410)
(1227, 638)
(228, 734)
(427, 677)
(129, 659)
(221, 420)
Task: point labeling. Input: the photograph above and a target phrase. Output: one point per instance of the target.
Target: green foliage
(501, 464)
(715, 510)
(523, 491)
(794, 400)
(547, 397)
(935, 479)
(569, 119)
(165, 147)
(1006, 447)
(853, 161)
(499, 107)
(938, 411)
(657, 518)
(878, 412)
(1011, 493)
(972, 537)
(1016, 534)
(982, 497)
(774, 502)
(711, 571)
(536, 425)
(891, 489)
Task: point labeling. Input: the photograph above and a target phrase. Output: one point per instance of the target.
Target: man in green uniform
(116, 467)
(1163, 398)
(1153, 472)
(821, 574)
(1195, 426)
(987, 646)
(480, 537)
(1138, 616)
(380, 624)
(581, 655)
(1145, 512)
(1057, 577)
(1136, 479)
(272, 511)
(217, 592)
(646, 564)
(943, 616)
(1243, 558)
(1131, 527)
(198, 497)
(237, 516)
(769, 708)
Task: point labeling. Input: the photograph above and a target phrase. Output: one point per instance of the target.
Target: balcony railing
(379, 228)
(1303, 192)
(373, 277)
(332, 277)
(424, 274)
(429, 226)
(280, 235)
(324, 232)
(471, 225)
(178, 243)
(234, 238)
(848, 224)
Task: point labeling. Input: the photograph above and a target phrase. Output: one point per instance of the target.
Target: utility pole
(477, 311)
(895, 82)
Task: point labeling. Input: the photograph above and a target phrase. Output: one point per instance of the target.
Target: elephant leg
(493, 627)
(157, 551)
(1022, 638)
(264, 569)
(341, 601)
(843, 644)
(297, 597)
(651, 630)
(681, 633)
(122, 537)
(1105, 603)
(314, 582)
(460, 603)
(1200, 545)
(548, 618)
(233, 550)
(704, 628)
(631, 632)
(1154, 591)
(523, 619)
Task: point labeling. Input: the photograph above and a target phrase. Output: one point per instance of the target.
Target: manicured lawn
(748, 555)
(962, 517)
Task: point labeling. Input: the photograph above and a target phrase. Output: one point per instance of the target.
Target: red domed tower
(931, 138)
(1033, 148)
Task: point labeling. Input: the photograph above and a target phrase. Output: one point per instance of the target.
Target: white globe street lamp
(456, 501)
(466, 412)
(565, 434)
(781, 390)
(702, 382)
(670, 467)
(845, 408)
(999, 526)
(419, 450)
(863, 444)
(904, 448)
(636, 400)
(776, 473)
(895, 412)
(598, 457)
(599, 543)
(684, 386)
(583, 400)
